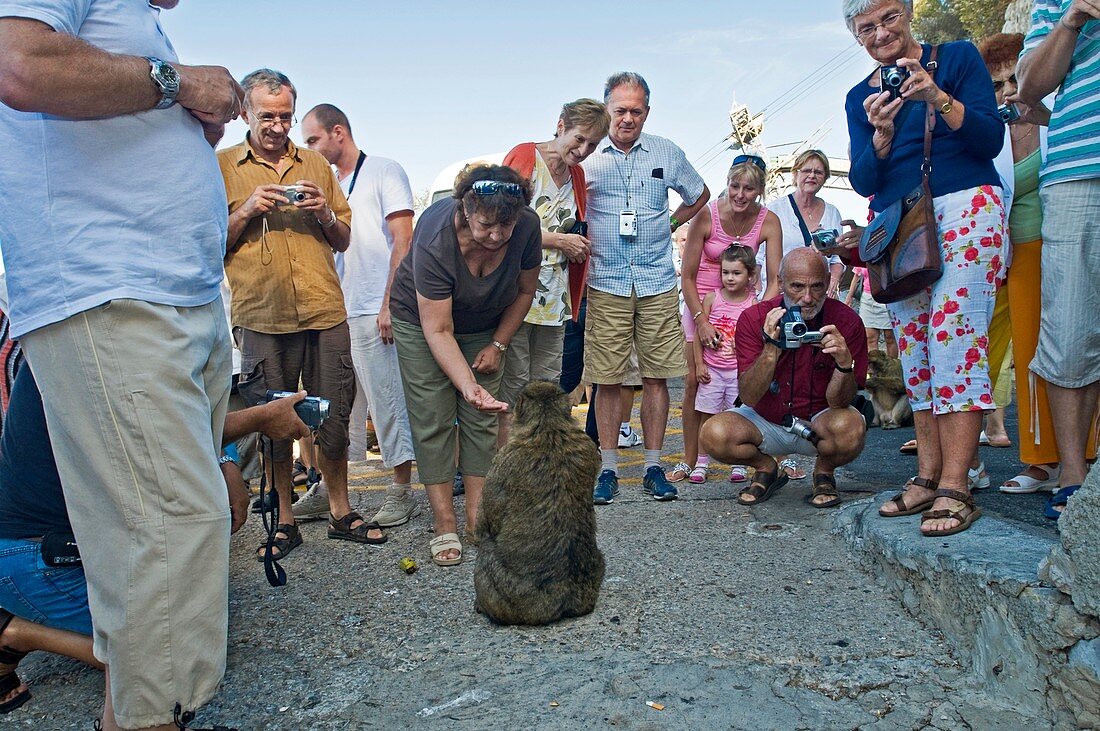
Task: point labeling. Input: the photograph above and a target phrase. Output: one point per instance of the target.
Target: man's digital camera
(801, 429)
(794, 332)
(891, 78)
(313, 410)
(1009, 113)
(824, 239)
(294, 194)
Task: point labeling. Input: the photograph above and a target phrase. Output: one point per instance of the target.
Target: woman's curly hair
(1001, 49)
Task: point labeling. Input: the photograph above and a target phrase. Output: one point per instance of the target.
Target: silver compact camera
(294, 194)
(1009, 113)
(801, 429)
(891, 78)
(794, 332)
(824, 239)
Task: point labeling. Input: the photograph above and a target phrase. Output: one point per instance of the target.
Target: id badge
(628, 224)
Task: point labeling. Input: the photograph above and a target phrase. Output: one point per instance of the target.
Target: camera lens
(893, 77)
(798, 329)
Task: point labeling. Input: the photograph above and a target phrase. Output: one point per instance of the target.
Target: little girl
(716, 368)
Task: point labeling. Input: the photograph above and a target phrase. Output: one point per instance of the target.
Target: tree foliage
(939, 21)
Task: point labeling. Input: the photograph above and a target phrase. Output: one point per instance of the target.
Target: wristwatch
(946, 107)
(500, 346)
(167, 80)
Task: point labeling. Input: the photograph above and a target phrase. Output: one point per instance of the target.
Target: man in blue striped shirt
(1062, 51)
(632, 299)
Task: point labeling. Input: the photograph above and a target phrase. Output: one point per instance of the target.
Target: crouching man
(807, 381)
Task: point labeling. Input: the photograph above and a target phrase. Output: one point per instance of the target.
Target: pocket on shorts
(17, 604)
(155, 448)
(347, 385)
(251, 385)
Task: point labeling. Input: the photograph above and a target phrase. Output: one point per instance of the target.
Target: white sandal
(443, 543)
(1025, 483)
(683, 468)
(698, 475)
(978, 479)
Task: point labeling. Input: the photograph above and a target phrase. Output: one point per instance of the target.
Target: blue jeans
(54, 597)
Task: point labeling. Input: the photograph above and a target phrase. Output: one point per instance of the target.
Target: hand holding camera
(292, 415)
(794, 332)
(306, 196)
(264, 199)
(834, 344)
(918, 85)
(574, 244)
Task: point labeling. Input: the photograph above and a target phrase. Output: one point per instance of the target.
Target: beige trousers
(135, 397)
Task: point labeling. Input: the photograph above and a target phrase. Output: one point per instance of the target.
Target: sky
(428, 82)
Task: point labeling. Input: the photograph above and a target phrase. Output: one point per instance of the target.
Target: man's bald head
(804, 280)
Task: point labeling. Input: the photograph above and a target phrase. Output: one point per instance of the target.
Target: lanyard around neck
(359, 164)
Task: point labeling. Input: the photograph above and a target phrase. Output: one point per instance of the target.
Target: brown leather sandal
(763, 486)
(340, 528)
(965, 515)
(823, 485)
(899, 499)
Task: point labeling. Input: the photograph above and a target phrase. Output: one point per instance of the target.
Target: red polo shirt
(807, 367)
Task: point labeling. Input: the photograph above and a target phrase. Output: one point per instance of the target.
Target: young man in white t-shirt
(381, 233)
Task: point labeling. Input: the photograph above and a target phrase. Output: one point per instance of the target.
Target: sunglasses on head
(754, 159)
(492, 187)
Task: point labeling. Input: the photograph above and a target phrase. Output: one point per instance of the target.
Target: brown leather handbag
(901, 246)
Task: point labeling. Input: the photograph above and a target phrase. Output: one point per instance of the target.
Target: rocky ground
(713, 615)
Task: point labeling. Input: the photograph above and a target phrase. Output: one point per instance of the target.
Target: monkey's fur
(537, 558)
(886, 384)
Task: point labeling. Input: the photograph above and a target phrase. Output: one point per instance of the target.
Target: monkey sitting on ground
(886, 384)
(537, 558)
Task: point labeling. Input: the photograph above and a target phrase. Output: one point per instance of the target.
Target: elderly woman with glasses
(738, 217)
(457, 300)
(802, 212)
(942, 331)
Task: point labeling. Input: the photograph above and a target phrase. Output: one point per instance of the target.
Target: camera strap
(355, 175)
(806, 238)
(276, 575)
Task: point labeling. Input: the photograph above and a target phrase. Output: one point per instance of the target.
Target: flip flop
(985, 441)
(1025, 483)
(965, 519)
(792, 469)
(760, 490)
(899, 499)
(1059, 500)
(680, 472)
(909, 447)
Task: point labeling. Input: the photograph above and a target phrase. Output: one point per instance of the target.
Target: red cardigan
(522, 160)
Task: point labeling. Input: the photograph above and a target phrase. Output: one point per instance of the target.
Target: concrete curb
(1029, 648)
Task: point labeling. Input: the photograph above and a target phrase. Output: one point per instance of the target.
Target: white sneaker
(978, 479)
(314, 504)
(398, 508)
(629, 438)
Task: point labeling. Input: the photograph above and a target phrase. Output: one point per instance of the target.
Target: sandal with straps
(282, 545)
(823, 485)
(763, 486)
(899, 499)
(340, 529)
(10, 681)
(965, 516)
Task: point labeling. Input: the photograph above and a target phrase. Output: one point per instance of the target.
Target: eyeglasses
(812, 171)
(888, 23)
(287, 120)
(998, 85)
(492, 187)
(754, 159)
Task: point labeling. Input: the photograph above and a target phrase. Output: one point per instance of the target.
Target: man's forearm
(841, 390)
(1043, 69)
(238, 222)
(338, 235)
(241, 423)
(685, 213)
(757, 379)
(44, 71)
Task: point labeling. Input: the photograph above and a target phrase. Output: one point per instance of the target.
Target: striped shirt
(638, 181)
(1075, 122)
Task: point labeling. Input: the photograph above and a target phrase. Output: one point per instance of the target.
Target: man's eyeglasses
(492, 187)
(287, 120)
(754, 159)
(889, 22)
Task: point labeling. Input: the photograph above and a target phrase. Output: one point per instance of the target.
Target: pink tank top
(709, 277)
(723, 315)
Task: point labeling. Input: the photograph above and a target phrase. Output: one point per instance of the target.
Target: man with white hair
(806, 382)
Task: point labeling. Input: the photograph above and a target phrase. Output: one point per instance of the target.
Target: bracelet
(696, 315)
(849, 369)
(226, 459)
(331, 221)
(673, 222)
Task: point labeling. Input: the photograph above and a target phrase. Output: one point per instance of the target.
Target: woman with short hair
(558, 196)
(942, 331)
(457, 300)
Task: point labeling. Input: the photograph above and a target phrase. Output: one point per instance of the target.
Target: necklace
(738, 236)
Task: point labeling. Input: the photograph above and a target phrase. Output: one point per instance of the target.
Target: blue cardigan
(961, 159)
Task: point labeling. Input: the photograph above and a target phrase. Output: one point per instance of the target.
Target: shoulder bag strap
(801, 223)
(929, 125)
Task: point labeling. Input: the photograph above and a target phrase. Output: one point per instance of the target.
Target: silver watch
(167, 80)
(500, 346)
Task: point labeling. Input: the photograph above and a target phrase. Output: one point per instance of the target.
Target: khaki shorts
(534, 354)
(615, 326)
(135, 396)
